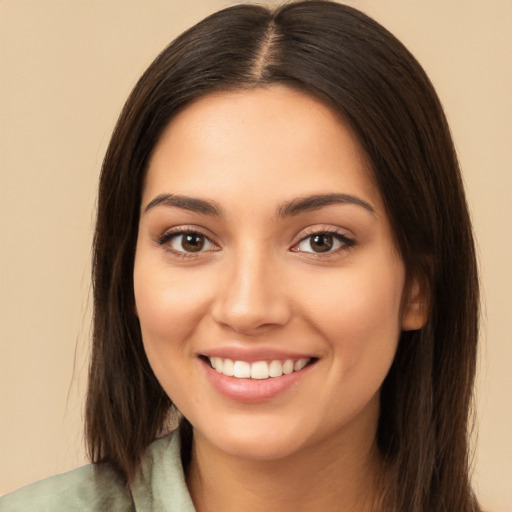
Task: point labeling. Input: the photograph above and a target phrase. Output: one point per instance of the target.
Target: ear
(415, 309)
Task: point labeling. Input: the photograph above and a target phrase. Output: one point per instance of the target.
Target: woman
(283, 254)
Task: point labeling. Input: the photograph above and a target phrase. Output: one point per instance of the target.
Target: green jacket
(158, 486)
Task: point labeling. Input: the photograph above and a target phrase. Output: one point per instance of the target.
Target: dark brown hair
(360, 70)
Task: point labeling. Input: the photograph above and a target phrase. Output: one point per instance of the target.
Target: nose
(252, 295)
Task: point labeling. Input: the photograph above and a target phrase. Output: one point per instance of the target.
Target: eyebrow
(287, 209)
(193, 204)
(317, 201)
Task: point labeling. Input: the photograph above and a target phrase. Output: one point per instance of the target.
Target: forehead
(263, 143)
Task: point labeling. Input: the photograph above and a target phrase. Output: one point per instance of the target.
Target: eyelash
(168, 236)
(346, 242)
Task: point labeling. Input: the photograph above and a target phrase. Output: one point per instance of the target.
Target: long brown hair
(360, 70)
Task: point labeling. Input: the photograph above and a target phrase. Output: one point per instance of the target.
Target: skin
(258, 284)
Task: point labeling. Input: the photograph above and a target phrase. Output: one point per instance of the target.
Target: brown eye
(192, 242)
(188, 242)
(321, 242)
(325, 242)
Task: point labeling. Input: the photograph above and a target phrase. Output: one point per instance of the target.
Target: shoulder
(88, 488)
(160, 482)
(159, 485)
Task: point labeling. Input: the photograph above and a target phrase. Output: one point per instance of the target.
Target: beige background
(65, 69)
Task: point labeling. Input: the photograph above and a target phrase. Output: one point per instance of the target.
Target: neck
(329, 476)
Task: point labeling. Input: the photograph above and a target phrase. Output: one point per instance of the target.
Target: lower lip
(253, 390)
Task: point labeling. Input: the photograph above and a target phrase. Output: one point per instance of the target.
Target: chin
(256, 439)
(263, 448)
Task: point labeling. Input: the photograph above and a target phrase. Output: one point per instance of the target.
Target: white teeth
(241, 370)
(275, 369)
(288, 367)
(258, 370)
(228, 368)
(215, 361)
(299, 364)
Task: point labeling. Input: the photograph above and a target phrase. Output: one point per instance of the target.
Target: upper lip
(253, 354)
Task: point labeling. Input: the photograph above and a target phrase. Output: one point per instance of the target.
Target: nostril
(251, 319)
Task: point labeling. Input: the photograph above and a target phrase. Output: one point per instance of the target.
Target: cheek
(169, 306)
(372, 309)
(359, 315)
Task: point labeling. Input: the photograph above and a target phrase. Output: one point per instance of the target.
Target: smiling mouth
(258, 370)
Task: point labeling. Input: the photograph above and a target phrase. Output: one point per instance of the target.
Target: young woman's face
(264, 247)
